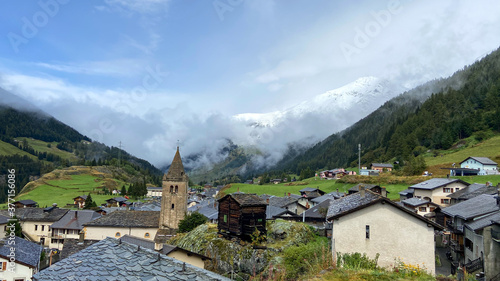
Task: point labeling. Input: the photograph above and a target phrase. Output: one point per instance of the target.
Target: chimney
(76, 214)
(337, 190)
(288, 194)
(81, 236)
(362, 191)
(267, 200)
(488, 184)
(383, 191)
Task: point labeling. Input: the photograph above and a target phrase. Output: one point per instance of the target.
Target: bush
(357, 261)
(311, 257)
(191, 221)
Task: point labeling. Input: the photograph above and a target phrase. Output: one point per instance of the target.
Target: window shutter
(4, 266)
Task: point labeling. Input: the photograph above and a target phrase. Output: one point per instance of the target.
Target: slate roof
(128, 219)
(84, 197)
(27, 253)
(482, 160)
(308, 189)
(415, 202)
(111, 259)
(4, 220)
(27, 202)
(314, 211)
(351, 202)
(69, 221)
(207, 211)
(144, 243)
(154, 188)
(476, 190)
(435, 183)
(484, 222)
(39, 214)
(73, 246)
(247, 199)
(406, 192)
(331, 195)
(282, 202)
(167, 249)
(272, 211)
(477, 206)
(367, 186)
(354, 202)
(117, 199)
(383, 165)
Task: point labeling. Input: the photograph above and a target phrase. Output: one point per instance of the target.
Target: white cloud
(121, 67)
(134, 6)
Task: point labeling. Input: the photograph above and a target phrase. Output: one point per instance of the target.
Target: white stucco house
(365, 222)
(26, 259)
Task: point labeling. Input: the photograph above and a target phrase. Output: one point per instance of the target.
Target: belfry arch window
(176, 189)
(171, 189)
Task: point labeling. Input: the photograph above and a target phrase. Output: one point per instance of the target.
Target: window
(117, 234)
(146, 235)
(457, 189)
(447, 190)
(171, 189)
(367, 232)
(3, 266)
(422, 209)
(19, 279)
(172, 206)
(225, 218)
(176, 189)
(432, 209)
(445, 201)
(36, 227)
(43, 227)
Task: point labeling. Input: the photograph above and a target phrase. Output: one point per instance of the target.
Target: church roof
(176, 171)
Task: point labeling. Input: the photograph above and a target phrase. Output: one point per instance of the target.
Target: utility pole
(359, 158)
(119, 153)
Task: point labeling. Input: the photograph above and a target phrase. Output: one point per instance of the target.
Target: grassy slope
(41, 146)
(60, 187)
(8, 149)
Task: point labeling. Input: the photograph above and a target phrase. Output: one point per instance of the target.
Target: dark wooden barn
(241, 214)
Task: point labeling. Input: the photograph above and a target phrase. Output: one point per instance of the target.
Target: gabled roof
(436, 183)
(84, 197)
(4, 220)
(282, 202)
(315, 213)
(208, 210)
(154, 188)
(38, 214)
(383, 165)
(472, 191)
(117, 199)
(26, 253)
(367, 186)
(415, 202)
(308, 189)
(273, 211)
(111, 259)
(406, 192)
(482, 160)
(26, 202)
(483, 222)
(167, 249)
(147, 219)
(144, 243)
(246, 199)
(331, 195)
(354, 202)
(477, 206)
(75, 219)
(73, 246)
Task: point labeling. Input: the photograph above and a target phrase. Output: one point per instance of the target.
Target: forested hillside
(33, 143)
(432, 116)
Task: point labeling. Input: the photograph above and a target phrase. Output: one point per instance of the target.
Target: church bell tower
(174, 195)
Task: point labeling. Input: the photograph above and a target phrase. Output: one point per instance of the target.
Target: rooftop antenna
(119, 153)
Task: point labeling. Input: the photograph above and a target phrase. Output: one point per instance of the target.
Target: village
(439, 215)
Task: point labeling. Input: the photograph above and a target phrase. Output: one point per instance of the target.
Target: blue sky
(157, 63)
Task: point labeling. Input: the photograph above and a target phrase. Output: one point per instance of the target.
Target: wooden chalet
(240, 214)
(28, 203)
(80, 201)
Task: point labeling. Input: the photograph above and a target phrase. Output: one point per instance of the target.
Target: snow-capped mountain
(329, 112)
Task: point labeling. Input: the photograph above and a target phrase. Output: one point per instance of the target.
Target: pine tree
(17, 228)
(89, 203)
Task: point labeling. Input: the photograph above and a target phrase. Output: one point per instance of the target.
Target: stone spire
(176, 170)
